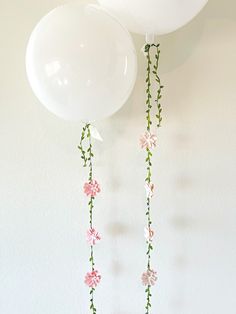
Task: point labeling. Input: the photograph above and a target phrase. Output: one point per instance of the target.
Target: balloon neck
(150, 38)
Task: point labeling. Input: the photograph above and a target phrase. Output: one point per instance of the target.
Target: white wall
(43, 213)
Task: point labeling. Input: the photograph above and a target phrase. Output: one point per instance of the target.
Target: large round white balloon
(81, 62)
(154, 16)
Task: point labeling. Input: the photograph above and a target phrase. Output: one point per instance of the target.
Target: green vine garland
(91, 188)
(148, 141)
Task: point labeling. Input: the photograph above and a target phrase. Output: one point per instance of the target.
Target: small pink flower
(148, 140)
(91, 188)
(148, 234)
(149, 189)
(92, 279)
(93, 236)
(149, 278)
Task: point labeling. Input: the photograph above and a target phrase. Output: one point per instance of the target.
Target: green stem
(91, 205)
(87, 156)
(148, 159)
(80, 146)
(159, 89)
(148, 88)
(148, 165)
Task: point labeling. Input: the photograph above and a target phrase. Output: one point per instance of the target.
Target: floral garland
(148, 141)
(91, 189)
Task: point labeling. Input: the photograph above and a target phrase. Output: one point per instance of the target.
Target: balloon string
(150, 38)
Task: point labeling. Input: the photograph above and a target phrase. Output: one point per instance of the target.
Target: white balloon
(154, 16)
(81, 62)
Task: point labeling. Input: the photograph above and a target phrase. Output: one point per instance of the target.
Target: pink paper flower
(93, 236)
(149, 189)
(92, 279)
(148, 140)
(148, 234)
(149, 278)
(91, 188)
